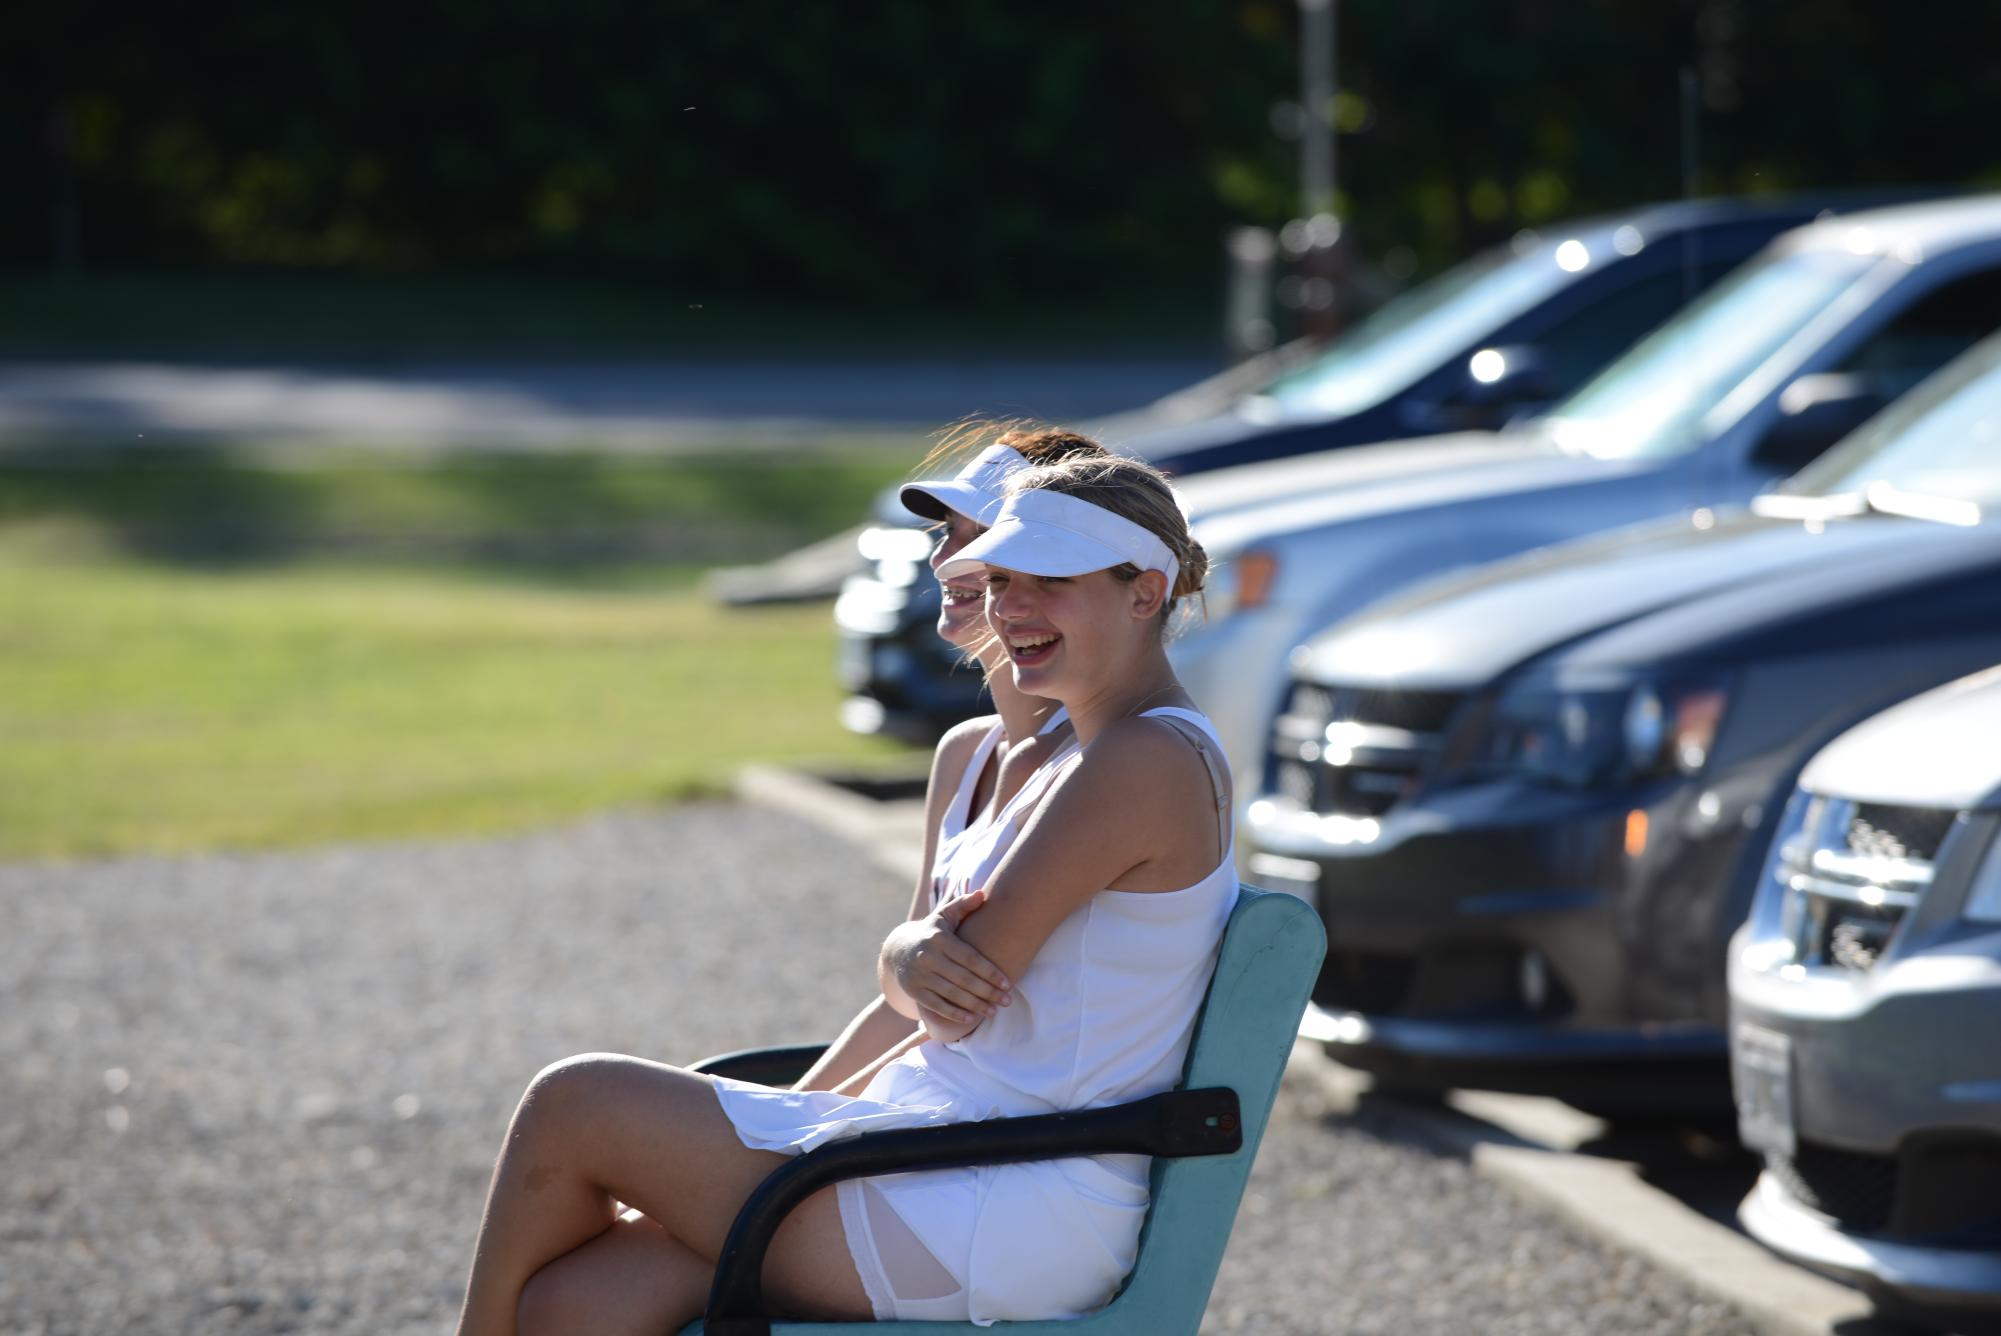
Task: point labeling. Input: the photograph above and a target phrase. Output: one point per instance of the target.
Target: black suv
(1531, 802)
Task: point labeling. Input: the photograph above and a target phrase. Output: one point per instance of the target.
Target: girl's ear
(1149, 595)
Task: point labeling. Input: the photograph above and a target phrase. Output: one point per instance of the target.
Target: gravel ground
(263, 1093)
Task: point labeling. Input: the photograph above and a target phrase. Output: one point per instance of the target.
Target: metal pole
(1248, 328)
(1316, 100)
(1691, 127)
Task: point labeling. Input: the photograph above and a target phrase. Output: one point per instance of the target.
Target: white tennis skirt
(1048, 1239)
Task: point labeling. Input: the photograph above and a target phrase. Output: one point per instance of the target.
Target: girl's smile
(1039, 619)
(959, 619)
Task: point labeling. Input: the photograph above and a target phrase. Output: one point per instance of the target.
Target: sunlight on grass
(730, 502)
(158, 708)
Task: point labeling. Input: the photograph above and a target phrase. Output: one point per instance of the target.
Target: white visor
(1045, 532)
(975, 492)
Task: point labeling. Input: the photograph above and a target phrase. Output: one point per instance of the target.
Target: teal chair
(1202, 1135)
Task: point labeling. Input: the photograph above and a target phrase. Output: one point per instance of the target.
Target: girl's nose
(1004, 602)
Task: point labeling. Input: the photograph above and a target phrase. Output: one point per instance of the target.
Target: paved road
(261, 1094)
(649, 404)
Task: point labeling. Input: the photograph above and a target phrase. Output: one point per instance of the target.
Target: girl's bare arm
(877, 1029)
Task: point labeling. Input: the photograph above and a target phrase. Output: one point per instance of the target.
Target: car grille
(1898, 832)
(1851, 874)
(1854, 1189)
(1354, 751)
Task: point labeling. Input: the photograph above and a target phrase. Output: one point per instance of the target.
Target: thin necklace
(1134, 709)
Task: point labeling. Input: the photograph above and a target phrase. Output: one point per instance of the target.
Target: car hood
(1169, 445)
(1465, 630)
(1229, 489)
(1243, 486)
(1916, 754)
(1379, 480)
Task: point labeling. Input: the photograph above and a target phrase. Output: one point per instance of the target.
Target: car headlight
(1983, 902)
(899, 554)
(1612, 735)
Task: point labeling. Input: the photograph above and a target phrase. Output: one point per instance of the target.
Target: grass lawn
(153, 697)
(568, 510)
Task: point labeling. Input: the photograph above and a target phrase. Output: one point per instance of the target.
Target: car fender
(1386, 559)
(1392, 568)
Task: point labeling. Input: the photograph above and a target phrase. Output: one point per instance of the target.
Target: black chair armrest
(766, 1066)
(1176, 1123)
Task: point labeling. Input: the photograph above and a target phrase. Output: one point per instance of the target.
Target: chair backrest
(1265, 970)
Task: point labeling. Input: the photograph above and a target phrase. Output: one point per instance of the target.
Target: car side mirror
(1500, 383)
(1815, 411)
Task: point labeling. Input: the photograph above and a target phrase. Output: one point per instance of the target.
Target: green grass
(575, 507)
(306, 682)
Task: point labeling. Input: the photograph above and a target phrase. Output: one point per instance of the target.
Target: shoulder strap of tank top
(1049, 725)
(1203, 738)
(1030, 793)
(962, 798)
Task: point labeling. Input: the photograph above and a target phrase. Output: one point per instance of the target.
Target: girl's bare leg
(601, 1129)
(633, 1278)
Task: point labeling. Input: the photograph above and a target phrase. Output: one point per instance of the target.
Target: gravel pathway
(653, 404)
(263, 1093)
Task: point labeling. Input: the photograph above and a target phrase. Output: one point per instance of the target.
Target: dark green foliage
(971, 154)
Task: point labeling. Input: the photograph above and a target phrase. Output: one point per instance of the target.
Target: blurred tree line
(979, 153)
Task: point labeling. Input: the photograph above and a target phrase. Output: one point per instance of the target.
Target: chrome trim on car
(1848, 884)
(1961, 1277)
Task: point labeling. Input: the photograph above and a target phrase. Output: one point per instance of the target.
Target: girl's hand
(939, 972)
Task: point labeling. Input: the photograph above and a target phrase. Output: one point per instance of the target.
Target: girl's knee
(553, 1302)
(575, 1079)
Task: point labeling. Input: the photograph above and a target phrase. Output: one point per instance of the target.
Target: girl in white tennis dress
(1100, 890)
(1102, 1014)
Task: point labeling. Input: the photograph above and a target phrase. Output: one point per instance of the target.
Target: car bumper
(1875, 1056)
(1883, 1158)
(1659, 1068)
(1933, 1276)
(1502, 935)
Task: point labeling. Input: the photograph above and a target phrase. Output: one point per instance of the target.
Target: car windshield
(1419, 330)
(1942, 440)
(1651, 402)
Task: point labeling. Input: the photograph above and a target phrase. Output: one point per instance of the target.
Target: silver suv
(1865, 1003)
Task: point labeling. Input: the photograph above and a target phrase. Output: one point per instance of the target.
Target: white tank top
(1105, 1011)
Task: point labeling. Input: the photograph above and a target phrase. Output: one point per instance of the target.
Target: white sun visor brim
(1045, 532)
(976, 491)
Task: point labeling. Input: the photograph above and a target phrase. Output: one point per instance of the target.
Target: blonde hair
(1037, 442)
(1133, 490)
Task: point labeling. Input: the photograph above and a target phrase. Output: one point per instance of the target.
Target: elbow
(895, 998)
(945, 1031)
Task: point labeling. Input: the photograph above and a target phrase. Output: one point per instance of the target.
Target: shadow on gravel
(1387, 1118)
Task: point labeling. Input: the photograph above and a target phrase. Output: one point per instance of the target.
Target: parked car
(1744, 386)
(1531, 802)
(1501, 334)
(1865, 1004)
